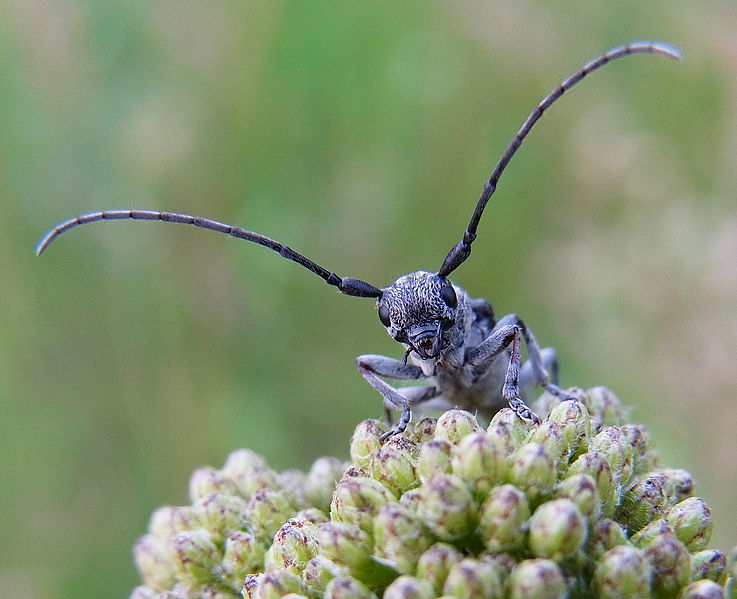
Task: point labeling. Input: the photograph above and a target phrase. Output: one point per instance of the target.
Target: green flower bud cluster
(577, 506)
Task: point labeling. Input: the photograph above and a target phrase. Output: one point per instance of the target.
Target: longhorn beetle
(469, 359)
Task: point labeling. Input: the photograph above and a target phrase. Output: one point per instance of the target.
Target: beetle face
(419, 310)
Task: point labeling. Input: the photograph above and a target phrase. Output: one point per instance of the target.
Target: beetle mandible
(468, 358)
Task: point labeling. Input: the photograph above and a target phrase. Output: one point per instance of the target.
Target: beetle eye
(446, 323)
(449, 296)
(384, 316)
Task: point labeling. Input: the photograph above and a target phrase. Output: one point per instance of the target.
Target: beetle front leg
(501, 338)
(372, 367)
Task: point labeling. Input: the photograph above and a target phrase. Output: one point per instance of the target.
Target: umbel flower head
(577, 506)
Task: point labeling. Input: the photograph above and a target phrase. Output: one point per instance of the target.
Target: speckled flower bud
(605, 408)
(409, 587)
(243, 554)
(691, 522)
(346, 587)
(434, 458)
(400, 537)
(249, 471)
(206, 481)
(679, 484)
(517, 428)
(710, 564)
(446, 506)
(221, 514)
(395, 465)
(321, 570)
(671, 565)
(612, 443)
(621, 573)
(605, 535)
(594, 464)
(295, 543)
(365, 441)
(581, 489)
(551, 436)
(645, 536)
(422, 431)
(167, 521)
(473, 578)
(272, 585)
(293, 486)
(436, 562)
(156, 562)
(646, 459)
(703, 589)
(344, 543)
(642, 501)
(453, 425)
(504, 515)
(503, 437)
(574, 421)
(357, 500)
(144, 592)
(480, 462)
(197, 555)
(557, 530)
(537, 579)
(321, 480)
(267, 511)
(533, 470)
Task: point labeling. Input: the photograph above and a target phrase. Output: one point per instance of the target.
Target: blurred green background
(360, 133)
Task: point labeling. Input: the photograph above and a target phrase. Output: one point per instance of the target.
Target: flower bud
(249, 472)
(197, 555)
(671, 564)
(691, 522)
(321, 481)
(574, 421)
(453, 425)
(551, 436)
(581, 489)
(642, 501)
(646, 459)
(537, 579)
(478, 461)
(622, 572)
(206, 481)
(423, 431)
(605, 408)
(272, 585)
(243, 554)
(473, 578)
(605, 535)
(144, 592)
(434, 458)
(409, 587)
(679, 484)
(357, 500)
(557, 530)
(709, 563)
(503, 437)
(293, 486)
(295, 543)
(155, 561)
(167, 521)
(346, 587)
(365, 441)
(533, 470)
(267, 511)
(344, 544)
(612, 443)
(504, 515)
(400, 537)
(703, 589)
(446, 506)
(221, 514)
(594, 464)
(319, 571)
(395, 465)
(436, 562)
(517, 428)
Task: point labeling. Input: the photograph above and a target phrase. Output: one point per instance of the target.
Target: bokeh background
(360, 133)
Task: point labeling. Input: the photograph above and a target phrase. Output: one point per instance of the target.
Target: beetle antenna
(462, 249)
(346, 285)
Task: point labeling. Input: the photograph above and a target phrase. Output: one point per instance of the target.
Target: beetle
(468, 358)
